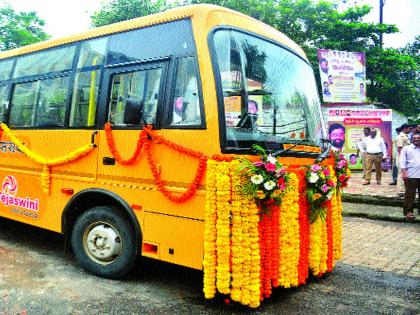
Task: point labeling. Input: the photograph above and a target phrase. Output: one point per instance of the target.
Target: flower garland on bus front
(267, 180)
(47, 163)
(320, 187)
(342, 171)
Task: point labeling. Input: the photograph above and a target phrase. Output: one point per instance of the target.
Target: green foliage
(393, 76)
(120, 10)
(20, 28)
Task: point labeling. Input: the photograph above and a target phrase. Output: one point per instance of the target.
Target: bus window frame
(220, 99)
(71, 72)
(24, 80)
(111, 70)
(9, 84)
(166, 119)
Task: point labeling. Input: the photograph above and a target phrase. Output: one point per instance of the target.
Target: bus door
(33, 193)
(134, 98)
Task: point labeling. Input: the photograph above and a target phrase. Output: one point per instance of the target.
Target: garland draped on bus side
(47, 163)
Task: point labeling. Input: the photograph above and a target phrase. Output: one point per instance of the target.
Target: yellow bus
(202, 80)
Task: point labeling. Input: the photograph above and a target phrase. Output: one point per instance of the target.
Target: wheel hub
(103, 243)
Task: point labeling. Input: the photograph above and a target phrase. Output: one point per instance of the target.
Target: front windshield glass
(269, 93)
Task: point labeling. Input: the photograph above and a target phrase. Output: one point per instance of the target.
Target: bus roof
(158, 18)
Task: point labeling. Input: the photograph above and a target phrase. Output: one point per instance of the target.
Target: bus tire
(103, 242)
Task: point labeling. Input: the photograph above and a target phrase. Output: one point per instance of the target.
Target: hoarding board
(343, 76)
(345, 130)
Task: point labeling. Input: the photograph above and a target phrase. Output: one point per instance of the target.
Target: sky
(68, 17)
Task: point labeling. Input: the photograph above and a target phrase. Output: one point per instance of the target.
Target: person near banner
(361, 149)
(413, 130)
(401, 141)
(353, 159)
(323, 64)
(362, 90)
(375, 153)
(326, 90)
(337, 135)
(410, 166)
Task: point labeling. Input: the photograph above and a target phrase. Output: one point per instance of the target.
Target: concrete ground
(378, 274)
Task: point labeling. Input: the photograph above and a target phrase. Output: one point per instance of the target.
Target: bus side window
(85, 94)
(39, 103)
(186, 102)
(137, 91)
(4, 90)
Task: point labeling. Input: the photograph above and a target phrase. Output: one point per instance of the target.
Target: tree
(19, 28)
(120, 10)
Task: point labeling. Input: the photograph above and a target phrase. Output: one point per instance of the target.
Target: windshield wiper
(278, 152)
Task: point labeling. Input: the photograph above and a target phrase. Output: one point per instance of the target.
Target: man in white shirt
(375, 153)
(361, 146)
(401, 141)
(410, 167)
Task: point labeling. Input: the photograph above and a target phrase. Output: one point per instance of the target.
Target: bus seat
(133, 111)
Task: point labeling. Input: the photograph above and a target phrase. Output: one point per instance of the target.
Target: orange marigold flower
(316, 196)
(260, 194)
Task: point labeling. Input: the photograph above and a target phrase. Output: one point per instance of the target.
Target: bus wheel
(103, 242)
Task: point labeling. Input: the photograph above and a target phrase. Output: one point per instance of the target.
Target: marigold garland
(315, 246)
(330, 261)
(237, 258)
(245, 247)
(337, 222)
(254, 271)
(209, 260)
(324, 249)
(303, 268)
(47, 163)
(112, 147)
(146, 137)
(289, 239)
(223, 228)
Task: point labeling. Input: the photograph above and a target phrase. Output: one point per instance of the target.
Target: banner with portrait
(343, 76)
(345, 130)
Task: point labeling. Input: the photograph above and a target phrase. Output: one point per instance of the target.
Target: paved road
(379, 274)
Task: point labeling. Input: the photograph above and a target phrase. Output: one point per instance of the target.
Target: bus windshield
(269, 93)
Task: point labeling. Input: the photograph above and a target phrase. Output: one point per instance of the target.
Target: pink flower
(324, 188)
(281, 171)
(330, 183)
(315, 168)
(341, 164)
(270, 167)
(326, 171)
(282, 186)
(258, 164)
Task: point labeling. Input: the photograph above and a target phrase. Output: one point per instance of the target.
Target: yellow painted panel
(184, 236)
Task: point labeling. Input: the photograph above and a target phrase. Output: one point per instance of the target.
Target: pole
(381, 19)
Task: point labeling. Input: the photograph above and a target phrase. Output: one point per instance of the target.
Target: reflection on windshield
(269, 93)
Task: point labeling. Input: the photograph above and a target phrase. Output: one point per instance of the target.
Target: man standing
(375, 154)
(361, 146)
(410, 166)
(402, 140)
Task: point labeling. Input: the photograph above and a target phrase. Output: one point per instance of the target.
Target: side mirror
(133, 111)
